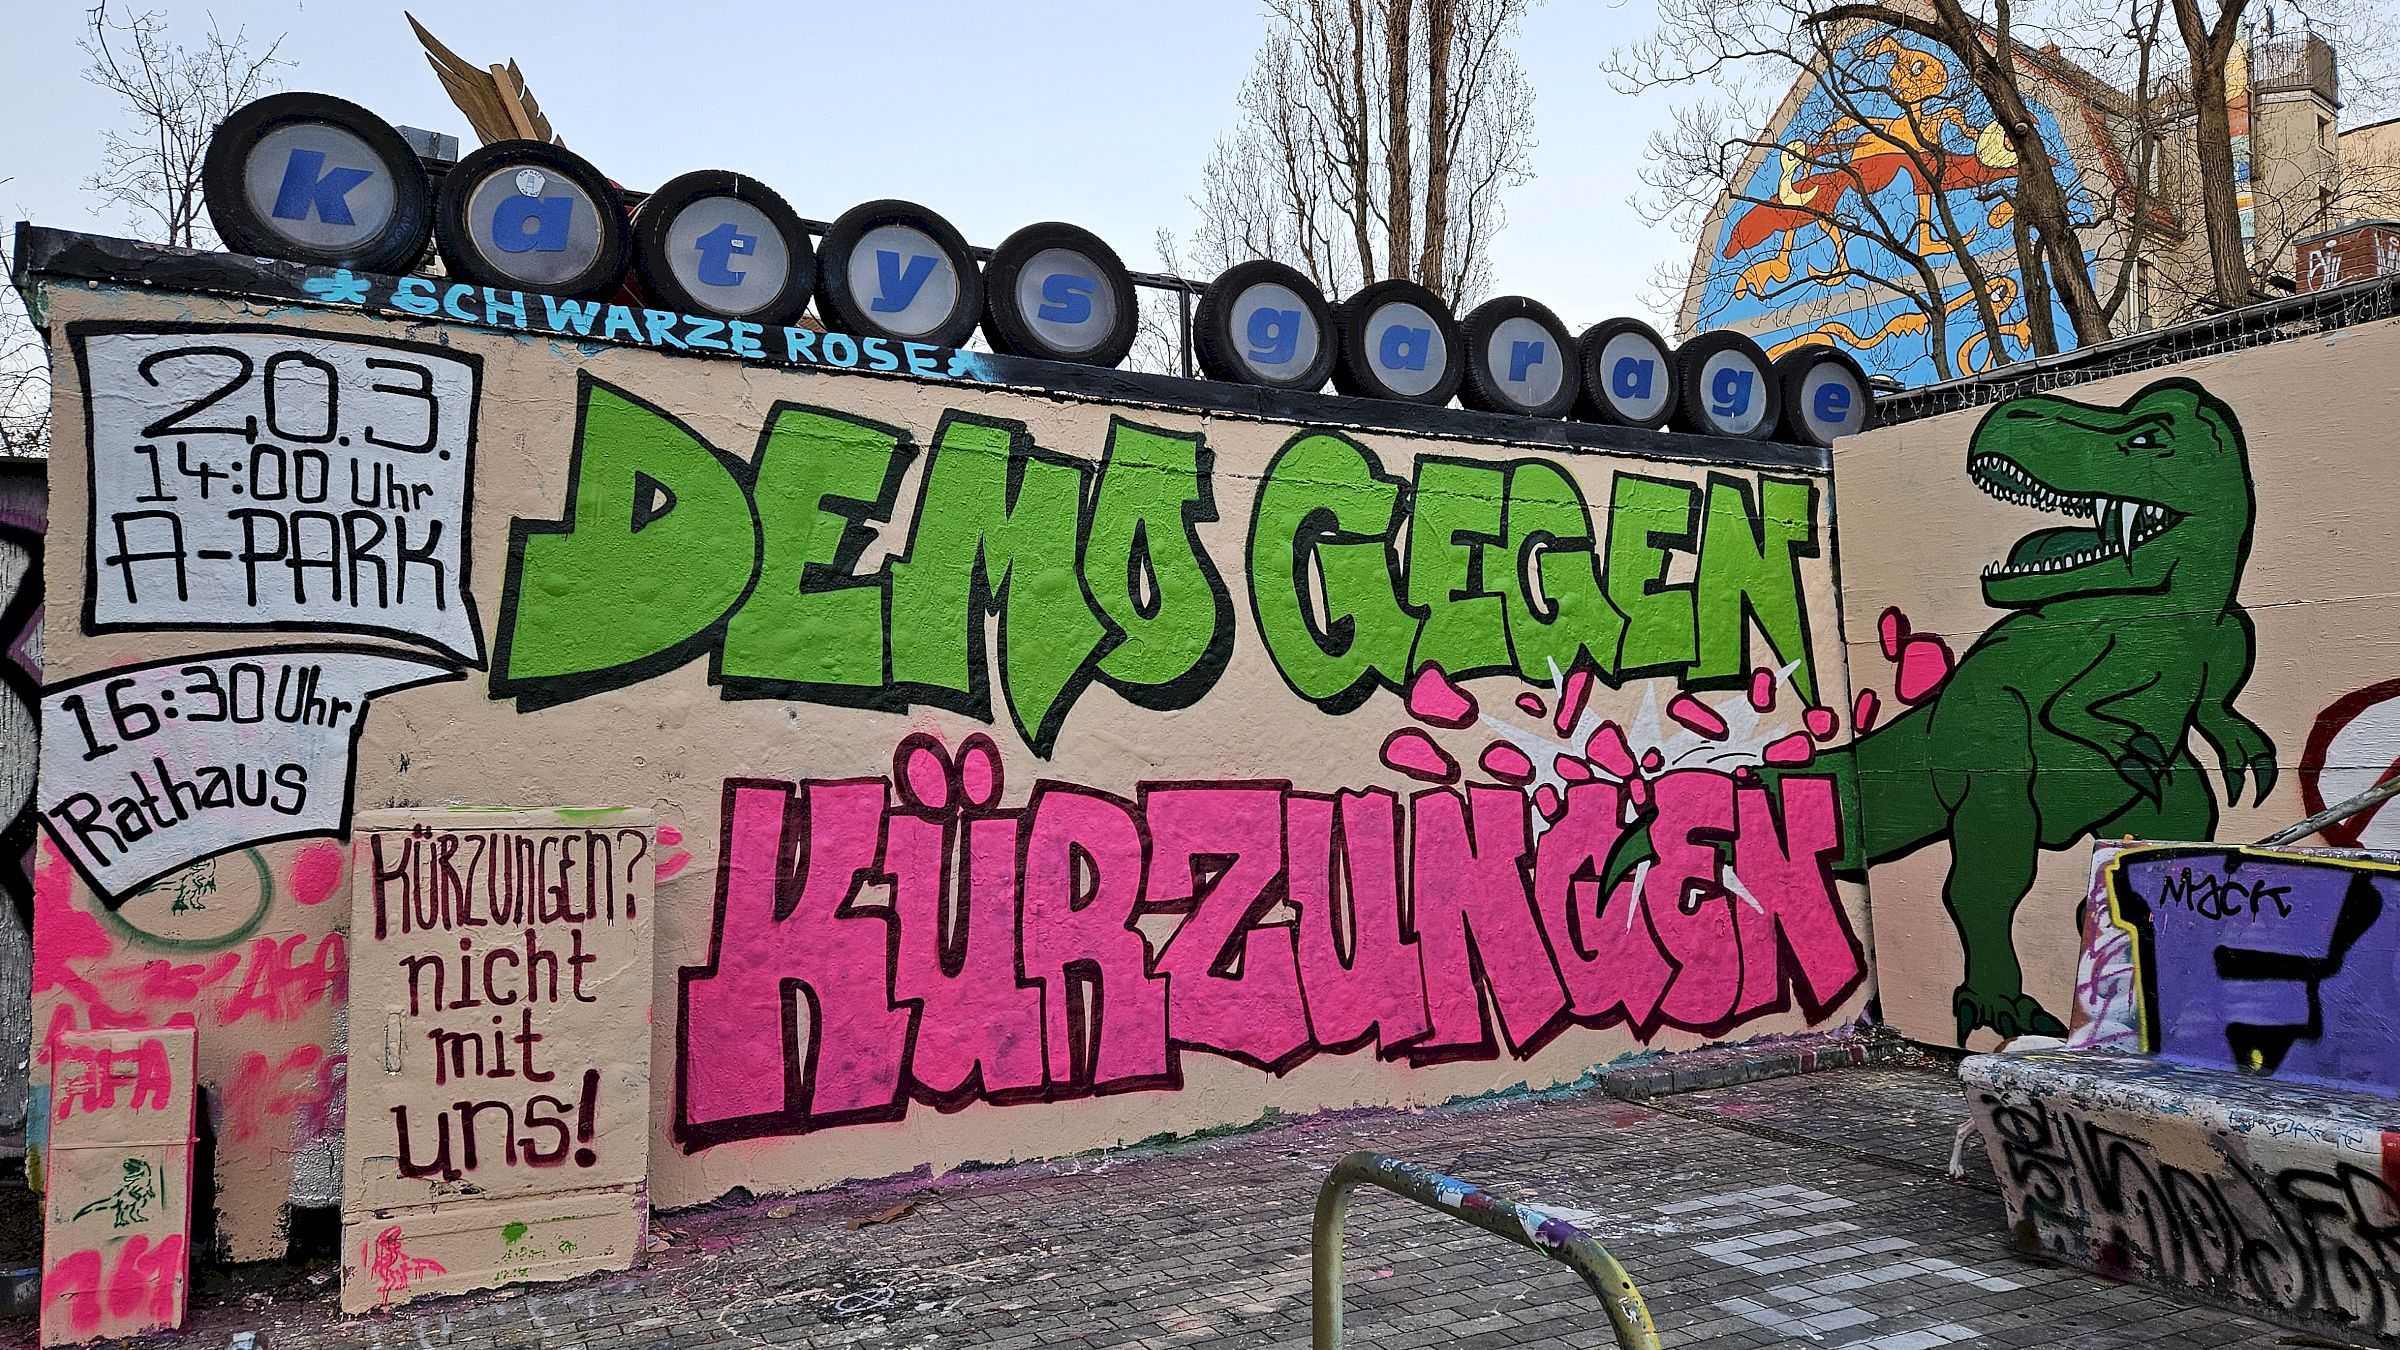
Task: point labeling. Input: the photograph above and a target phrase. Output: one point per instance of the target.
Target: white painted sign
(146, 769)
(267, 478)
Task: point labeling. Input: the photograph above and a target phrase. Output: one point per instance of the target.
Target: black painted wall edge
(2256, 325)
(60, 255)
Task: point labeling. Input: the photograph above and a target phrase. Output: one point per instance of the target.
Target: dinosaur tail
(1636, 847)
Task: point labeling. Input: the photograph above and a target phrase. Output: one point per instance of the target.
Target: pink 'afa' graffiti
(1011, 963)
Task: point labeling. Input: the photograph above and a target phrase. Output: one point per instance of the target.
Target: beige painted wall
(1694, 954)
(1916, 535)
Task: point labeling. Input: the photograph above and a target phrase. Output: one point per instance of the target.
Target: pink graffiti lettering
(144, 1292)
(281, 986)
(89, 1076)
(1081, 944)
(295, 1095)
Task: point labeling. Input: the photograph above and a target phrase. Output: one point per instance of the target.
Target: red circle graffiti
(2330, 723)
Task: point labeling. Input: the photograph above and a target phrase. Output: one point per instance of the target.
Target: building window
(2325, 132)
(2324, 203)
(2141, 294)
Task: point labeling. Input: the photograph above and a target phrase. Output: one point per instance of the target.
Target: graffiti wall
(24, 509)
(2279, 963)
(1031, 773)
(2148, 607)
(1883, 161)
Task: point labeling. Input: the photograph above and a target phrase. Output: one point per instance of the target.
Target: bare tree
(2060, 215)
(1375, 141)
(1862, 149)
(24, 375)
(2208, 42)
(175, 96)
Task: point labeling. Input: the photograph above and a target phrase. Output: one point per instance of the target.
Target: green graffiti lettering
(1749, 569)
(1148, 574)
(1453, 534)
(1080, 571)
(1557, 613)
(1322, 579)
(656, 546)
(998, 518)
(820, 480)
(1646, 518)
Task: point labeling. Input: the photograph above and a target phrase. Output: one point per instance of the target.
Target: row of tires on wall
(313, 179)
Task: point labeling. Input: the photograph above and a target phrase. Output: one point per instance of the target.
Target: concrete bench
(2232, 1129)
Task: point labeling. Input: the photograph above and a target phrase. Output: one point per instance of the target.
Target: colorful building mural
(1889, 155)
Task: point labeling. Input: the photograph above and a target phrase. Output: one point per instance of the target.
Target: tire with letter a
(1399, 342)
(528, 215)
(1628, 375)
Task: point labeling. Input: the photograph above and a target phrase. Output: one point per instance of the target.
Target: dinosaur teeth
(2126, 514)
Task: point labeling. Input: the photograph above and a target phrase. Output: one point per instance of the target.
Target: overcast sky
(994, 114)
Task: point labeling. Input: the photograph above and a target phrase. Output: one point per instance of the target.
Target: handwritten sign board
(274, 478)
(499, 1083)
(116, 1243)
(149, 768)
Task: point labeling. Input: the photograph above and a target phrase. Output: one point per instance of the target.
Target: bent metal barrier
(1528, 1226)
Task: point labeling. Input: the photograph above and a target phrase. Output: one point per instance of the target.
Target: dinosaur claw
(2233, 785)
(2009, 1016)
(2144, 764)
(2263, 768)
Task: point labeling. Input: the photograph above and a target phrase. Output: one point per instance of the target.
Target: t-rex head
(2163, 482)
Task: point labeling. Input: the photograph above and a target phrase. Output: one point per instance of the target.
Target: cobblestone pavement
(1801, 1211)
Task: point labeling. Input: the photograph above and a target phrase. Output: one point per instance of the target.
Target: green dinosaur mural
(2072, 716)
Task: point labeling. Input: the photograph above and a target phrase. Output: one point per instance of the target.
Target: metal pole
(1183, 336)
(1527, 1226)
(2333, 815)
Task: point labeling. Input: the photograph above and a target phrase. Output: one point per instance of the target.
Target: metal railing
(1526, 1225)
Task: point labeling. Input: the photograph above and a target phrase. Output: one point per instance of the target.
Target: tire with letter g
(1729, 389)
(1264, 324)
